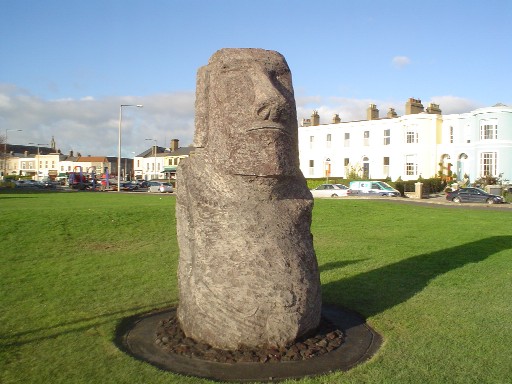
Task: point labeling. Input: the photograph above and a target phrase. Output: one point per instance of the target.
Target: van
(373, 187)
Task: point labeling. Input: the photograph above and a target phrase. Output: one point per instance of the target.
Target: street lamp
(5, 147)
(154, 160)
(119, 143)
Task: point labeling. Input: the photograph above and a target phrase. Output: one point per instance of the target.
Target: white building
(417, 144)
(157, 163)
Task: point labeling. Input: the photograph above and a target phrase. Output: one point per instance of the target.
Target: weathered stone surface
(248, 274)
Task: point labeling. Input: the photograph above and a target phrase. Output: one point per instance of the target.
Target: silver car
(330, 190)
(159, 186)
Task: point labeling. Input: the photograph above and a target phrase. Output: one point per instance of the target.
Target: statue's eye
(283, 81)
(235, 85)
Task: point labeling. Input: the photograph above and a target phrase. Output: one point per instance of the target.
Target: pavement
(436, 200)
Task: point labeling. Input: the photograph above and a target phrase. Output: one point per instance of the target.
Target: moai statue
(247, 273)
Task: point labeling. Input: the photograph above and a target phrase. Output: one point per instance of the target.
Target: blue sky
(67, 65)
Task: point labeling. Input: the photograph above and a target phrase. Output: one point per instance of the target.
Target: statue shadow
(337, 264)
(380, 289)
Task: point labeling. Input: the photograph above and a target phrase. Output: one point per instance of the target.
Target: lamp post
(5, 147)
(119, 143)
(154, 159)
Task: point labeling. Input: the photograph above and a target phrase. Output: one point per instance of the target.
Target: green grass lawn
(435, 282)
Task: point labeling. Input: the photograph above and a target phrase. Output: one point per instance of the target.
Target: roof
(160, 152)
(151, 152)
(183, 151)
(92, 159)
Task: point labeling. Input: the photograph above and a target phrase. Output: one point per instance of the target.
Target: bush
(433, 185)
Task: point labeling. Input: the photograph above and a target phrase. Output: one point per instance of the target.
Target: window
(53, 164)
(311, 167)
(411, 137)
(328, 141)
(346, 162)
(386, 166)
(387, 138)
(488, 163)
(411, 167)
(311, 141)
(451, 135)
(366, 136)
(347, 139)
(488, 131)
(40, 163)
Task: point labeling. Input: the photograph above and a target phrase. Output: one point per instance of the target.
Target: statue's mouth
(268, 126)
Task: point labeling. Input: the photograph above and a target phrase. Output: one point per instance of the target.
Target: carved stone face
(252, 123)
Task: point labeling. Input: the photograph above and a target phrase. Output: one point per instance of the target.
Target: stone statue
(247, 272)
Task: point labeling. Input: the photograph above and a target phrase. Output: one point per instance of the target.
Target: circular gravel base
(137, 336)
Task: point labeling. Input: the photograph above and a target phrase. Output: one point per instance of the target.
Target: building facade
(158, 163)
(418, 144)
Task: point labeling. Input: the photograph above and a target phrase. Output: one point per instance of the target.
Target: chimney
(25, 153)
(413, 106)
(174, 144)
(315, 118)
(372, 113)
(433, 109)
(391, 113)
(70, 153)
(336, 119)
(305, 123)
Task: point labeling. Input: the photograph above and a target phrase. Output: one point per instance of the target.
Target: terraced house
(421, 143)
(49, 163)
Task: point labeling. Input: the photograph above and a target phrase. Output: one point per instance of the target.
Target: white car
(159, 186)
(330, 190)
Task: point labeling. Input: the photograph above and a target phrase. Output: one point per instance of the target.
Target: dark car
(129, 186)
(142, 183)
(473, 195)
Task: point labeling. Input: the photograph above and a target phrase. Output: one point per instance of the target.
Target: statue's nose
(270, 102)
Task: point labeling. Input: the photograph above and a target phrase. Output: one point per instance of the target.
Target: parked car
(129, 186)
(473, 195)
(28, 184)
(330, 190)
(49, 184)
(158, 186)
(380, 188)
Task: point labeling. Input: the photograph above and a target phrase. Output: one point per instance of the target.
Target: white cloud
(355, 109)
(453, 104)
(400, 61)
(90, 126)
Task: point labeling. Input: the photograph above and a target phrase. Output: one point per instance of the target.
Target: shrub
(433, 185)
